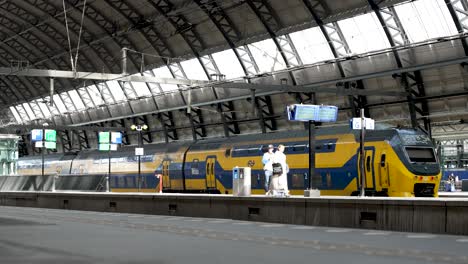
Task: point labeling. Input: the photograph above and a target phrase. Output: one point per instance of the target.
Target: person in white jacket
(280, 158)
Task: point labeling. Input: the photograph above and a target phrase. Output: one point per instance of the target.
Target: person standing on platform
(267, 161)
(280, 158)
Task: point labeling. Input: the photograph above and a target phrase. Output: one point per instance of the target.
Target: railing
(54, 182)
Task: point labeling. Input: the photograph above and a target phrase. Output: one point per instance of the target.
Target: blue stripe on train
(330, 178)
(148, 180)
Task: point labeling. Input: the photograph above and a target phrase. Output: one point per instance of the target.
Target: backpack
(277, 169)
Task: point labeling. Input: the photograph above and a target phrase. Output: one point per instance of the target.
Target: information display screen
(317, 113)
(328, 113)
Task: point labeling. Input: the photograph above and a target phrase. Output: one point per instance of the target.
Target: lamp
(139, 128)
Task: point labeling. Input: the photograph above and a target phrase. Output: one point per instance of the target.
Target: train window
(368, 164)
(246, 151)
(299, 148)
(121, 181)
(194, 167)
(297, 180)
(382, 160)
(253, 151)
(227, 153)
(318, 147)
(419, 154)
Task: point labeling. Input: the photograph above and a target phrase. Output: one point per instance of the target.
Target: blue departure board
(317, 113)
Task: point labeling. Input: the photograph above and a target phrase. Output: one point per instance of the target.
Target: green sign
(104, 137)
(50, 135)
(50, 145)
(104, 147)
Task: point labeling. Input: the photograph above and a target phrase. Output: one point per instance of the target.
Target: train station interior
(147, 131)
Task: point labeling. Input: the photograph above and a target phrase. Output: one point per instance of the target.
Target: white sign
(369, 123)
(356, 123)
(139, 152)
(38, 144)
(113, 147)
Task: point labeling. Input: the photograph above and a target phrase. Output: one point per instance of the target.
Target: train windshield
(420, 154)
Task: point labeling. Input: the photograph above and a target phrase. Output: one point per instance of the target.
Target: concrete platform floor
(32, 235)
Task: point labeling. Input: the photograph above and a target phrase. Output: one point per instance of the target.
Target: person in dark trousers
(267, 161)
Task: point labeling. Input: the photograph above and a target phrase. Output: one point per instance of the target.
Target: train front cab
(400, 164)
(410, 166)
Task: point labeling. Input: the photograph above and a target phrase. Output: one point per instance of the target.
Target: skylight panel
(311, 45)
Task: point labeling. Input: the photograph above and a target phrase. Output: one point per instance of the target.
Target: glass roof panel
(363, 33)
(228, 64)
(29, 111)
(163, 72)
(76, 100)
(59, 104)
(426, 19)
(267, 56)
(44, 108)
(53, 109)
(153, 87)
(116, 91)
(311, 45)
(85, 97)
(22, 112)
(95, 95)
(15, 114)
(36, 109)
(193, 69)
(141, 88)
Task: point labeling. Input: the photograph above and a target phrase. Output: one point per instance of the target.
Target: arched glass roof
(421, 20)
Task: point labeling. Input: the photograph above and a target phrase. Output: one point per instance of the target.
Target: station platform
(31, 235)
(454, 194)
(446, 215)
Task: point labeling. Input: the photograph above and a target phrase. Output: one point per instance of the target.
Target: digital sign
(317, 113)
(104, 137)
(36, 135)
(116, 138)
(50, 135)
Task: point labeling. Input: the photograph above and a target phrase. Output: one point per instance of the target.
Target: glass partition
(8, 154)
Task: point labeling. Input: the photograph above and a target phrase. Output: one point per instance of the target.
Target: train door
(369, 168)
(210, 173)
(383, 171)
(166, 176)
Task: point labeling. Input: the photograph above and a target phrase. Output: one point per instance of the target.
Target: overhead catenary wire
(68, 37)
(74, 61)
(79, 35)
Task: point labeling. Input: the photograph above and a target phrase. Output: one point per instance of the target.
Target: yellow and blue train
(398, 162)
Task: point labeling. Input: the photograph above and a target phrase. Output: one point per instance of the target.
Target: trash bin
(464, 186)
(241, 185)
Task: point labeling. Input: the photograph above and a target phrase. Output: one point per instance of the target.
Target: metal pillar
(362, 155)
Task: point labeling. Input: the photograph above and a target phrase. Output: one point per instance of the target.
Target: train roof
(381, 132)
